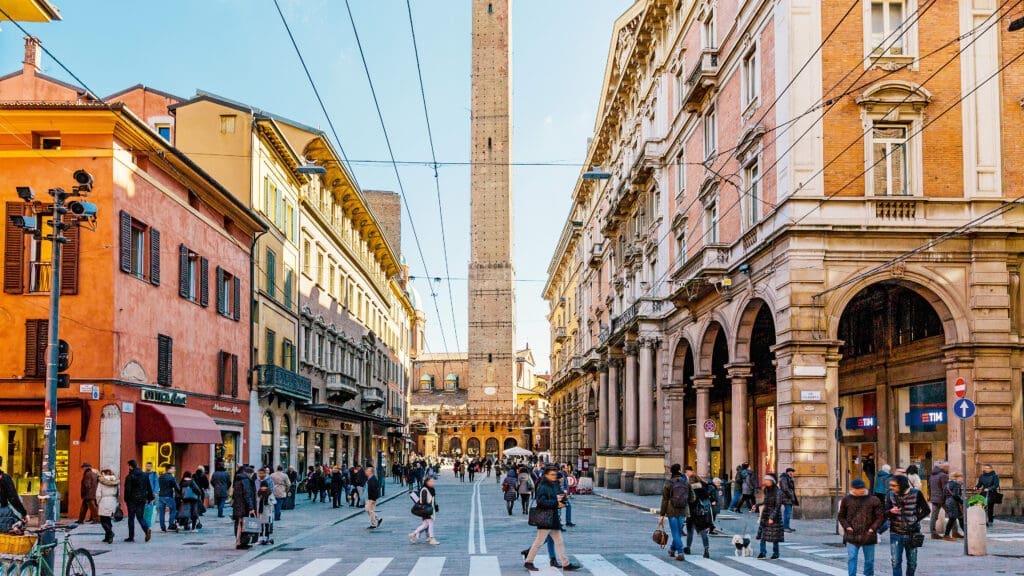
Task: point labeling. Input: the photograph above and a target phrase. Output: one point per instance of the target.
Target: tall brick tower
(491, 296)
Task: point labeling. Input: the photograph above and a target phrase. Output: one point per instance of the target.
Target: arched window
(426, 383)
(267, 439)
(285, 443)
(492, 447)
(473, 447)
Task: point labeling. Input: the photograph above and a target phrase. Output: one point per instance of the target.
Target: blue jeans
(220, 506)
(277, 509)
(568, 511)
(897, 548)
(787, 515)
(735, 499)
(168, 502)
(764, 548)
(691, 529)
(675, 525)
(869, 559)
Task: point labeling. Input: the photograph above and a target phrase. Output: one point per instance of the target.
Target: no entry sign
(960, 387)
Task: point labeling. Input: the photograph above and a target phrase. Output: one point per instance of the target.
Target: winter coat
(749, 483)
(788, 487)
(667, 509)
(168, 486)
(90, 479)
(106, 495)
(508, 486)
(137, 490)
(882, 482)
(523, 486)
(912, 509)
(201, 480)
(221, 482)
(281, 484)
(860, 516)
(954, 499)
(427, 496)
(771, 509)
(546, 495)
(937, 486)
(915, 481)
(704, 499)
(243, 499)
(373, 488)
(988, 482)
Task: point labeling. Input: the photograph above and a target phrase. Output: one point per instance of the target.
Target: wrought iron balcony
(702, 79)
(275, 380)
(373, 398)
(626, 318)
(341, 387)
(560, 334)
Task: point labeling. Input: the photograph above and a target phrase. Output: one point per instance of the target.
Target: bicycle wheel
(79, 563)
(27, 568)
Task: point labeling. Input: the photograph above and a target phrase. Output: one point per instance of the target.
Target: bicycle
(74, 562)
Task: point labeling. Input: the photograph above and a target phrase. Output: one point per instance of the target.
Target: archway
(473, 447)
(491, 447)
(684, 434)
(892, 379)
(455, 446)
(714, 357)
(510, 443)
(761, 390)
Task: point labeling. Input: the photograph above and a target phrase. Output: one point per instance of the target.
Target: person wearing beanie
(675, 499)
(905, 508)
(860, 515)
(770, 523)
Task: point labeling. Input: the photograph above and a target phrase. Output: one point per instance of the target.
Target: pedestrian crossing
(595, 564)
(815, 550)
(1006, 537)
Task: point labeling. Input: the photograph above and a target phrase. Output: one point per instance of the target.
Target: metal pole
(963, 469)
(48, 487)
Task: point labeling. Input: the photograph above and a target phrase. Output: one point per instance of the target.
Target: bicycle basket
(16, 545)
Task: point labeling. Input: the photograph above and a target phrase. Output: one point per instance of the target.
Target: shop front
(329, 440)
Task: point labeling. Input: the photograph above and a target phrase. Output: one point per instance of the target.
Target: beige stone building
(790, 226)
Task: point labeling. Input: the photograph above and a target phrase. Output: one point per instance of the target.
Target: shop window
(22, 447)
(36, 340)
(164, 362)
(284, 444)
(267, 439)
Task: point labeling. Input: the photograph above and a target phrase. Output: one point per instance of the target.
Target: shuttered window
(27, 260)
(271, 273)
(36, 335)
(193, 276)
(289, 276)
(227, 374)
(139, 249)
(14, 250)
(164, 360)
(271, 346)
(229, 294)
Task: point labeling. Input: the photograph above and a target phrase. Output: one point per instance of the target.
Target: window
(27, 260)
(681, 174)
(751, 77)
(271, 272)
(269, 199)
(711, 222)
(227, 123)
(289, 276)
(679, 231)
(331, 280)
(887, 36)
(288, 354)
(164, 362)
(707, 32)
(307, 258)
(36, 341)
(229, 294)
(752, 195)
(139, 249)
(307, 343)
(270, 346)
(164, 130)
(889, 159)
(193, 276)
(49, 143)
(710, 133)
(227, 374)
(680, 83)
(320, 269)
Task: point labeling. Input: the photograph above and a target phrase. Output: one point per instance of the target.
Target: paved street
(478, 538)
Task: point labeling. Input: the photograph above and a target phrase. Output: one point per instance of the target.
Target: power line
(394, 164)
(437, 179)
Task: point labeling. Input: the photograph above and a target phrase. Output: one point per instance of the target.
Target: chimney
(33, 55)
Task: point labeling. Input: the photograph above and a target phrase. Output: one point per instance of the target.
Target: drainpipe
(255, 418)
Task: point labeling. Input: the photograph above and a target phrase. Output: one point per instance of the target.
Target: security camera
(84, 180)
(82, 209)
(26, 193)
(26, 223)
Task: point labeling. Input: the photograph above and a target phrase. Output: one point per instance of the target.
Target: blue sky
(239, 49)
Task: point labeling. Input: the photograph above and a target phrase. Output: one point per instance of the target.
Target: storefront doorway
(22, 448)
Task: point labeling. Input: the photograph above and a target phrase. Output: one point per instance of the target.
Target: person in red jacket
(860, 515)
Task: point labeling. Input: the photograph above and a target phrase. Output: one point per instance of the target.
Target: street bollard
(976, 529)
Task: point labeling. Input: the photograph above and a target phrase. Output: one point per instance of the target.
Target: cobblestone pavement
(612, 539)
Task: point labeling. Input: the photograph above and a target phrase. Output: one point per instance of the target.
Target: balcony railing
(624, 319)
(373, 398)
(596, 254)
(702, 78)
(341, 387)
(281, 382)
(560, 334)
(39, 277)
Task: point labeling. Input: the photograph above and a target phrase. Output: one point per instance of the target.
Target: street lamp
(57, 350)
(596, 173)
(1017, 24)
(310, 169)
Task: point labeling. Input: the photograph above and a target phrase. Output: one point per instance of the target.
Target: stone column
(602, 409)
(646, 394)
(739, 374)
(632, 423)
(703, 386)
(674, 399)
(613, 456)
(649, 463)
(959, 364)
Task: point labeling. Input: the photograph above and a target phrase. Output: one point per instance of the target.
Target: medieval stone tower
(491, 279)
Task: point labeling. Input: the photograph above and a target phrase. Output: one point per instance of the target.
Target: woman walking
(988, 484)
(954, 506)
(428, 496)
(107, 501)
(860, 515)
(524, 486)
(188, 506)
(675, 504)
(508, 487)
(221, 483)
(550, 498)
(770, 523)
(701, 519)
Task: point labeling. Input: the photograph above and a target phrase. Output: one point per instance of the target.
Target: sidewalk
(190, 553)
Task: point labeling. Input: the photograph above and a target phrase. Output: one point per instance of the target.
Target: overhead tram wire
(437, 178)
(394, 164)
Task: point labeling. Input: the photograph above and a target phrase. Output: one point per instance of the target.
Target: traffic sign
(710, 425)
(964, 408)
(960, 387)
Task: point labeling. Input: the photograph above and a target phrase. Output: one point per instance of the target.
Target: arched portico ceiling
(707, 345)
(745, 327)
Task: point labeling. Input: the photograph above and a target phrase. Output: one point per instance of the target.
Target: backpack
(680, 494)
(701, 515)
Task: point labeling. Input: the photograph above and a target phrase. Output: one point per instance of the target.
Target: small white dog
(742, 544)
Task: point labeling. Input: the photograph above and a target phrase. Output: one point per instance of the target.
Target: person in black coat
(372, 495)
(138, 492)
(770, 523)
(988, 484)
(337, 487)
(549, 496)
(243, 504)
(221, 482)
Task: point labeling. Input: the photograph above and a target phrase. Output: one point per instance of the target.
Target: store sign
(862, 423)
(348, 427)
(321, 423)
(228, 409)
(926, 417)
(164, 396)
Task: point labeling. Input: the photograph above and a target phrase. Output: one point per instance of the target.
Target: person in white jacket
(108, 499)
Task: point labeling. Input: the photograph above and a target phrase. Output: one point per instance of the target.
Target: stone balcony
(280, 382)
(373, 398)
(702, 79)
(341, 387)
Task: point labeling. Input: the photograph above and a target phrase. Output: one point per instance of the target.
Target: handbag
(916, 540)
(118, 514)
(544, 518)
(660, 537)
(250, 525)
(995, 497)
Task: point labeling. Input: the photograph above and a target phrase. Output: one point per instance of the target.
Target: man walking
(137, 495)
(282, 484)
(747, 501)
(154, 487)
(787, 485)
(564, 479)
(937, 491)
(372, 494)
(860, 515)
(675, 506)
(168, 499)
(89, 483)
(243, 503)
(905, 508)
(221, 482)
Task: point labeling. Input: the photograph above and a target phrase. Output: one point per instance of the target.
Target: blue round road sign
(964, 408)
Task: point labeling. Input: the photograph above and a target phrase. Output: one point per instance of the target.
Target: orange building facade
(155, 299)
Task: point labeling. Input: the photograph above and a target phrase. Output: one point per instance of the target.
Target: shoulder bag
(118, 512)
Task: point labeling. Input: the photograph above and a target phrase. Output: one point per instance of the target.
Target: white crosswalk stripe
(714, 567)
(656, 566)
(371, 567)
(428, 566)
(772, 567)
(261, 567)
(598, 566)
(484, 566)
(316, 567)
(823, 568)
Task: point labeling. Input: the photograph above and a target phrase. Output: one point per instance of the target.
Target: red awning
(160, 423)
